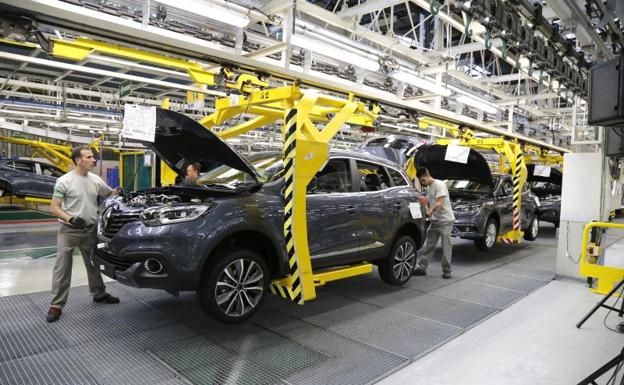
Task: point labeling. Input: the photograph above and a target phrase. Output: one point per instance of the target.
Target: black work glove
(78, 222)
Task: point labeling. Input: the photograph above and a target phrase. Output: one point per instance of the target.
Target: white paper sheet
(458, 154)
(543, 171)
(415, 210)
(139, 122)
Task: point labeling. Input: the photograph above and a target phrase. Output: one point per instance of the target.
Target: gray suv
(223, 237)
(482, 202)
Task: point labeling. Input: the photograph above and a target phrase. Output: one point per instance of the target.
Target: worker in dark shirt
(192, 173)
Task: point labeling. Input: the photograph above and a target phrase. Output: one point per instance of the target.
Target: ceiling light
(334, 52)
(421, 83)
(210, 11)
(477, 103)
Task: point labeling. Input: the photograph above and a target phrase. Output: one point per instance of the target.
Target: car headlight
(156, 216)
(468, 209)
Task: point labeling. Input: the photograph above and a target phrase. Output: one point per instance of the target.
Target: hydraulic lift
(311, 120)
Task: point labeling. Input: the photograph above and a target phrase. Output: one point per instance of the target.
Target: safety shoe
(106, 298)
(446, 275)
(54, 313)
(420, 272)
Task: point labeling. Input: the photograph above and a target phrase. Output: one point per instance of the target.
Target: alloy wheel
(240, 287)
(404, 261)
(490, 235)
(534, 228)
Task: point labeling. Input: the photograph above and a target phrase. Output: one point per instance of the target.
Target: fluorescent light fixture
(421, 83)
(210, 11)
(334, 52)
(477, 103)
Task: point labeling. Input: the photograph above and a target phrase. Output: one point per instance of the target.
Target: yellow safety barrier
(606, 276)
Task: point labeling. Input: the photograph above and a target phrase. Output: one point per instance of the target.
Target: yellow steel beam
(329, 275)
(82, 47)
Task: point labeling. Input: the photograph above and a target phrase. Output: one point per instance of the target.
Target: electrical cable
(611, 310)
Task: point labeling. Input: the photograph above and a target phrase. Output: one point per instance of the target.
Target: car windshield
(467, 187)
(545, 188)
(266, 165)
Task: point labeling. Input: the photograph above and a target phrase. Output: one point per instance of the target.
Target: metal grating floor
(356, 332)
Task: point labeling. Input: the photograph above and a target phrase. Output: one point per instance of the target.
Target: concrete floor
(534, 341)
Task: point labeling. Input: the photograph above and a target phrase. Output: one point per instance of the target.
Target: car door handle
(398, 205)
(351, 210)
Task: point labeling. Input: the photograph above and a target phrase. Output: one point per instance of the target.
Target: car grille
(117, 220)
(118, 262)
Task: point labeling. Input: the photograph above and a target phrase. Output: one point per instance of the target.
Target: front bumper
(129, 269)
(466, 230)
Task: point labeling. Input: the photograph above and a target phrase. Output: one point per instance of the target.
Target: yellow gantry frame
(511, 162)
(607, 276)
(57, 154)
(537, 155)
(307, 147)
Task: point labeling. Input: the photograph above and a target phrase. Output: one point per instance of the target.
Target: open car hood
(476, 169)
(555, 177)
(180, 140)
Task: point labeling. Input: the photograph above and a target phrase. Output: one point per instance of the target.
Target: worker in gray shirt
(74, 202)
(441, 219)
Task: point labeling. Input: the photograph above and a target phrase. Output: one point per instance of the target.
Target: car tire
(234, 285)
(489, 237)
(398, 267)
(531, 232)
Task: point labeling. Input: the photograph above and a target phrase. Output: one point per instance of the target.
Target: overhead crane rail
(200, 74)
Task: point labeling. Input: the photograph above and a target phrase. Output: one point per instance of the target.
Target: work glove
(78, 222)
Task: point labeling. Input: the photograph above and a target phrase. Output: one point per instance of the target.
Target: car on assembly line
(19, 177)
(223, 237)
(482, 202)
(546, 184)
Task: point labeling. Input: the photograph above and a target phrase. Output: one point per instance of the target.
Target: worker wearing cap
(74, 202)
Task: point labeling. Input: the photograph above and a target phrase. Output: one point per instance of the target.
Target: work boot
(446, 275)
(106, 298)
(420, 272)
(54, 313)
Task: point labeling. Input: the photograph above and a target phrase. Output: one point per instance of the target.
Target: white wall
(581, 196)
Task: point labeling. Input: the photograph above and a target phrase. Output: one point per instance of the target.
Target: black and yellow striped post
(513, 152)
(517, 193)
(293, 291)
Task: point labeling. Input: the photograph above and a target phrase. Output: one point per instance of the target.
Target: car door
(25, 178)
(504, 204)
(330, 193)
(48, 176)
(372, 184)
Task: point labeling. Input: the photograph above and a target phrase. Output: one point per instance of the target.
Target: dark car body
(351, 215)
(547, 186)
(477, 195)
(20, 178)
(395, 148)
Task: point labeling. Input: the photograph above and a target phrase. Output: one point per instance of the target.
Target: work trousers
(68, 239)
(437, 230)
